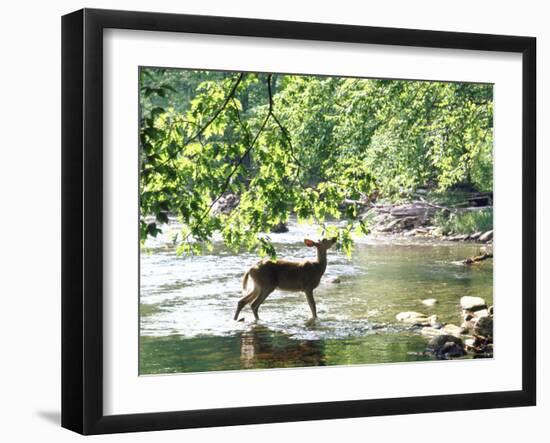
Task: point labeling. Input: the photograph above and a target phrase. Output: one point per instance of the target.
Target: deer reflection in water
(260, 348)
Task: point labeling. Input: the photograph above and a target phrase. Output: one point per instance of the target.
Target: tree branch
(229, 96)
(201, 130)
(239, 162)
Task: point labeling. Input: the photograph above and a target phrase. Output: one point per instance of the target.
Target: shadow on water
(263, 348)
(257, 348)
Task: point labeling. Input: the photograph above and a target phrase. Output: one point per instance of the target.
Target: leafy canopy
(312, 146)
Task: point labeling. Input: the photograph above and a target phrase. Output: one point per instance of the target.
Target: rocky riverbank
(446, 341)
(419, 219)
(415, 218)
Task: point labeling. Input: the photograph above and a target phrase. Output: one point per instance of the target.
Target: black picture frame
(82, 218)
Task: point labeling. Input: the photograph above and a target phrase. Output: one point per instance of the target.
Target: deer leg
(245, 300)
(311, 303)
(259, 300)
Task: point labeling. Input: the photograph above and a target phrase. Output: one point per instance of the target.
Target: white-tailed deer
(302, 276)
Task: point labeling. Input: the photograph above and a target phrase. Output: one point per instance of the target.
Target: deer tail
(245, 281)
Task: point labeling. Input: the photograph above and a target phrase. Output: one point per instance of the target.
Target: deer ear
(309, 242)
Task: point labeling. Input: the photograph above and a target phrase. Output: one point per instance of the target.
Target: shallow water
(187, 305)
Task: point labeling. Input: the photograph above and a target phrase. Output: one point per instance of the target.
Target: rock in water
(413, 318)
(430, 331)
(429, 301)
(481, 313)
(453, 330)
(402, 316)
(451, 350)
(484, 326)
(472, 303)
(280, 228)
(446, 346)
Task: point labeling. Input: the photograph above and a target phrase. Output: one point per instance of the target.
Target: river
(187, 304)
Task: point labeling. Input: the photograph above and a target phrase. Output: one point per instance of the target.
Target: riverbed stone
(431, 331)
(486, 236)
(481, 313)
(470, 303)
(453, 330)
(280, 228)
(429, 301)
(484, 326)
(413, 318)
(451, 350)
(446, 346)
(468, 325)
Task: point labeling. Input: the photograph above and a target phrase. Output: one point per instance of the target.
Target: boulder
(453, 330)
(413, 318)
(446, 346)
(429, 301)
(484, 326)
(451, 350)
(430, 331)
(468, 325)
(486, 236)
(280, 228)
(469, 303)
(480, 347)
(481, 313)
(439, 340)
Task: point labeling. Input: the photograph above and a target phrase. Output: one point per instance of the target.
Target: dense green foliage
(308, 145)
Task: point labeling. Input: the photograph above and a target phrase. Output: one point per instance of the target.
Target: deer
(269, 275)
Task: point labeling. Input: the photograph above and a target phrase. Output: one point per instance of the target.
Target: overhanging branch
(227, 181)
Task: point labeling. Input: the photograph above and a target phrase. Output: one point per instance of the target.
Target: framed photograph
(269, 221)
